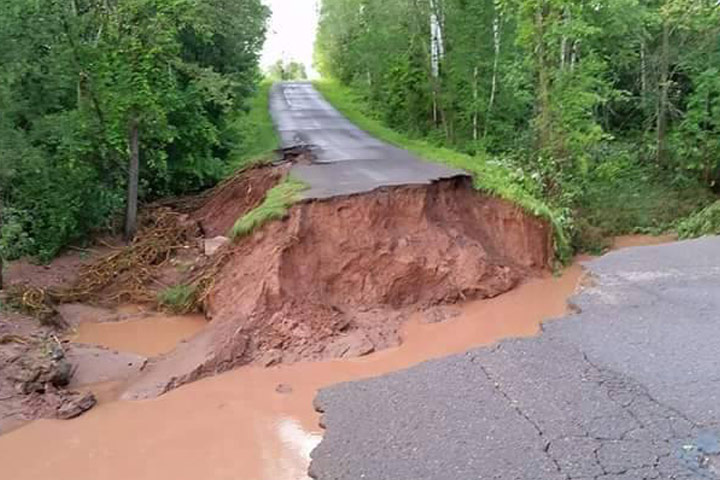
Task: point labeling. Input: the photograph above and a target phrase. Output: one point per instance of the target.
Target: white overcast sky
(291, 33)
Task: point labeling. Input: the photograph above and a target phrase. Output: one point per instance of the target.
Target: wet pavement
(628, 388)
(347, 160)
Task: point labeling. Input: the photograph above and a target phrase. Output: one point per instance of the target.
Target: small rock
(440, 314)
(76, 406)
(213, 244)
(284, 388)
(270, 358)
(61, 373)
(355, 344)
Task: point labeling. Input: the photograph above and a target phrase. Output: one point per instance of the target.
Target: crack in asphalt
(514, 405)
(625, 389)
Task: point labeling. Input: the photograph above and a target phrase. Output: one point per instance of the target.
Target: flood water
(148, 336)
(240, 425)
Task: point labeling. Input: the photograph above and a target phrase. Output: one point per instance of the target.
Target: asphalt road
(347, 159)
(627, 389)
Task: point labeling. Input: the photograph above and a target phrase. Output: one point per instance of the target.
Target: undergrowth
(623, 195)
(178, 298)
(489, 175)
(704, 222)
(258, 132)
(275, 206)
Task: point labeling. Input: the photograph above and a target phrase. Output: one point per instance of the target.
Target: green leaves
(75, 74)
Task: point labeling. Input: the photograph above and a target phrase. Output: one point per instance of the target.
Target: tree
(82, 79)
(287, 70)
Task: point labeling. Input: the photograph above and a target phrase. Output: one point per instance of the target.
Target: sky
(291, 34)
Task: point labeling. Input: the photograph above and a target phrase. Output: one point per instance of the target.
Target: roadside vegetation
(489, 174)
(108, 103)
(704, 222)
(178, 298)
(274, 207)
(604, 117)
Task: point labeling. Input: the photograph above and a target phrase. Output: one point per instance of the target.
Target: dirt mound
(34, 374)
(338, 276)
(235, 197)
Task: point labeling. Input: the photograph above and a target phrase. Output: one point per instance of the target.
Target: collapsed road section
(377, 234)
(338, 277)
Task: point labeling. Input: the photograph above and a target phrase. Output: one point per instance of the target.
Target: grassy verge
(275, 206)
(704, 222)
(258, 137)
(489, 176)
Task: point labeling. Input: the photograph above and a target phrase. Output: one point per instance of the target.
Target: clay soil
(338, 277)
(42, 375)
(335, 279)
(231, 199)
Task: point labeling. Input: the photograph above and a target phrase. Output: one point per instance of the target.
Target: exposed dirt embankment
(236, 196)
(337, 277)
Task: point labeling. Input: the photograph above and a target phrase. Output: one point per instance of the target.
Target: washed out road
(347, 160)
(626, 389)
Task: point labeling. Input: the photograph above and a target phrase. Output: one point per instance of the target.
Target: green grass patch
(178, 298)
(489, 175)
(703, 222)
(275, 206)
(257, 135)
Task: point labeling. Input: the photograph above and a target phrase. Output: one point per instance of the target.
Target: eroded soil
(338, 277)
(254, 422)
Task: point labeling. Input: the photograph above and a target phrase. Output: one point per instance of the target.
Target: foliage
(77, 74)
(704, 222)
(622, 195)
(287, 70)
(178, 298)
(554, 88)
(275, 206)
(493, 175)
(255, 134)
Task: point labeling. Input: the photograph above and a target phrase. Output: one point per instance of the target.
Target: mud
(149, 336)
(338, 277)
(256, 423)
(230, 200)
(35, 370)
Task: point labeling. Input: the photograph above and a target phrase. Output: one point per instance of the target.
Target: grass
(257, 132)
(275, 206)
(178, 298)
(488, 176)
(703, 222)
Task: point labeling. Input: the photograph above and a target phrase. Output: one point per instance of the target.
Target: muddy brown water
(241, 425)
(148, 336)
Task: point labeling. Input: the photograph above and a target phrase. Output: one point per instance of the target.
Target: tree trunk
(544, 124)
(643, 77)
(662, 112)
(476, 73)
(133, 175)
(493, 83)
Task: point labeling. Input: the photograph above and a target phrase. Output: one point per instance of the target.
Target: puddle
(254, 423)
(147, 336)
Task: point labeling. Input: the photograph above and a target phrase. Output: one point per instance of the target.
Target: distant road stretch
(347, 159)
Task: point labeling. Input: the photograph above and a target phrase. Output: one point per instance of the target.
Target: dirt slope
(337, 277)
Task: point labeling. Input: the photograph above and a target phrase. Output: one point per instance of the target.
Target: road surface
(347, 159)
(627, 389)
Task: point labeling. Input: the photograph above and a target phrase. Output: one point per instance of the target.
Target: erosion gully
(250, 423)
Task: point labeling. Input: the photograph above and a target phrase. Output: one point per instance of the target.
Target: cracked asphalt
(626, 389)
(347, 160)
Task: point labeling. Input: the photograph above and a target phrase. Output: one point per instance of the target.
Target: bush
(704, 222)
(177, 299)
